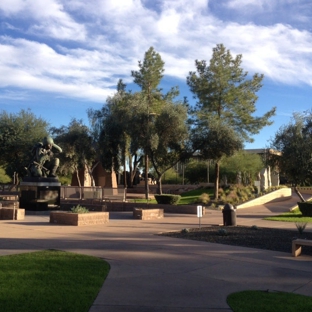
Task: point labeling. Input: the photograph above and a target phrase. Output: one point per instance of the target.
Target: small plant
(185, 231)
(204, 198)
(301, 226)
(254, 227)
(222, 232)
(79, 209)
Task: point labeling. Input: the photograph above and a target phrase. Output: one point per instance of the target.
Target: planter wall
(78, 219)
(148, 214)
(7, 214)
(305, 208)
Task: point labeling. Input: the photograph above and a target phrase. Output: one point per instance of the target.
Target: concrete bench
(296, 245)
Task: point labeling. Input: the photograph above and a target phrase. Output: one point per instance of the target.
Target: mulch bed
(252, 237)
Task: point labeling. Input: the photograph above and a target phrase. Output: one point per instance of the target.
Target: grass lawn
(263, 301)
(50, 280)
(187, 198)
(191, 197)
(292, 216)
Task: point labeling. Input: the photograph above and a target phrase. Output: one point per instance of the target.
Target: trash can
(229, 215)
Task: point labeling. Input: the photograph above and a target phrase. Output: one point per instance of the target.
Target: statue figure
(44, 164)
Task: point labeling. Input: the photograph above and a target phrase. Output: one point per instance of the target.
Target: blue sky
(61, 57)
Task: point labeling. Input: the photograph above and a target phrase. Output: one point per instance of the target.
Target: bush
(79, 209)
(204, 198)
(167, 199)
(305, 208)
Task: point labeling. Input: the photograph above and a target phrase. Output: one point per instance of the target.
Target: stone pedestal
(39, 194)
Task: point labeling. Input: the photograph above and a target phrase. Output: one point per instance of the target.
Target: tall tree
(118, 130)
(148, 77)
(18, 134)
(294, 141)
(226, 101)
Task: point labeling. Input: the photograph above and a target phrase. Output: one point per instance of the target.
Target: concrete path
(155, 273)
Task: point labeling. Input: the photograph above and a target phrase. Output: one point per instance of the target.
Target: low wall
(148, 214)
(7, 214)
(278, 195)
(78, 219)
(123, 206)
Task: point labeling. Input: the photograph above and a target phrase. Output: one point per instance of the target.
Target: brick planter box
(78, 219)
(147, 214)
(7, 214)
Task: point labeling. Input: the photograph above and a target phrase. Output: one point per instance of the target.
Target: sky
(59, 58)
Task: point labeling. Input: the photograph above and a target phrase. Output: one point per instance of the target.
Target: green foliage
(204, 198)
(292, 216)
(79, 209)
(305, 208)
(224, 115)
(171, 177)
(4, 178)
(197, 171)
(247, 164)
(38, 281)
(167, 199)
(294, 142)
(301, 226)
(260, 301)
(18, 134)
(77, 145)
(65, 180)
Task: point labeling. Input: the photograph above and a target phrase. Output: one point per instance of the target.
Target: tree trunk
(159, 186)
(146, 177)
(78, 179)
(216, 184)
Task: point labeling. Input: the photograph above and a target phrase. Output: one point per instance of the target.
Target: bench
(296, 245)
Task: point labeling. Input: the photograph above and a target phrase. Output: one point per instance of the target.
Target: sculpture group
(44, 164)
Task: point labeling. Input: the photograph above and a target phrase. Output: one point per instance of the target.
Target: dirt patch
(252, 237)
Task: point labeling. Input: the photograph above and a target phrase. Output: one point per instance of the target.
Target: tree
(18, 134)
(169, 136)
(118, 130)
(78, 149)
(226, 104)
(148, 77)
(294, 141)
(247, 164)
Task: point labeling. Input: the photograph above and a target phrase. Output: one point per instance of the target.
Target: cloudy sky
(61, 57)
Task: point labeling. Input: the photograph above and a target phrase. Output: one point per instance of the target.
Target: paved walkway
(155, 273)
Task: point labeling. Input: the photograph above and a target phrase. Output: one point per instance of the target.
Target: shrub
(167, 199)
(305, 208)
(301, 226)
(79, 209)
(204, 198)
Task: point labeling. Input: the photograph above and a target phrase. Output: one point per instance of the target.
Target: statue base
(39, 193)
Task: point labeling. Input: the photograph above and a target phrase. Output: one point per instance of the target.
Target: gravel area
(252, 237)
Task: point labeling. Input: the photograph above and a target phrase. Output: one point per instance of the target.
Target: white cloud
(114, 35)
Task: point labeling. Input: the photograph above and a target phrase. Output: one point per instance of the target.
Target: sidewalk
(156, 273)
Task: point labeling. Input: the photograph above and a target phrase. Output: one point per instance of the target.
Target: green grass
(191, 197)
(50, 280)
(263, 301)
(292, 216)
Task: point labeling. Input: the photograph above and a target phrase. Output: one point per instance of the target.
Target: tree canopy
(18, 134)
(223, 118)
(294, 141)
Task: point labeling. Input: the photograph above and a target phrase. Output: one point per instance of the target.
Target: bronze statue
(44, 164)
